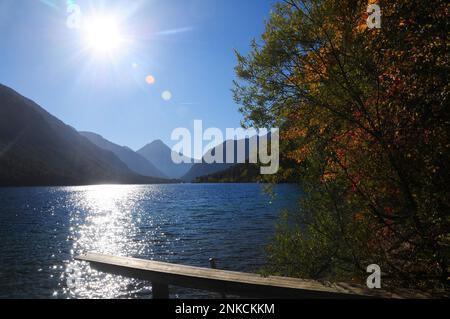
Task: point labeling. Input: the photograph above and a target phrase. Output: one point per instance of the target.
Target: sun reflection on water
(104, 224)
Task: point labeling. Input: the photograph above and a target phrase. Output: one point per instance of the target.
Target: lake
(42, 229)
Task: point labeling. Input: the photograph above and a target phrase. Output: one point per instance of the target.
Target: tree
(364, 114)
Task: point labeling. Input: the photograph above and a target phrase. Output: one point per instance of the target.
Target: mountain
(133, 160)
(239, 173)
(205, 169)
(37, 149)
(160, 155)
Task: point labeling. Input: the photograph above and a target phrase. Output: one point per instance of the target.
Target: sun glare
(103, 34)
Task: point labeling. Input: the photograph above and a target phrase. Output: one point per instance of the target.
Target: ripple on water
(43, 229)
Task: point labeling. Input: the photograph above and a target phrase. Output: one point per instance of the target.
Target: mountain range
(36, 148)
(133, 160)
(205, 169)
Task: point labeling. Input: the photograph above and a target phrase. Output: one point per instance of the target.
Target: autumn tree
(364, 115)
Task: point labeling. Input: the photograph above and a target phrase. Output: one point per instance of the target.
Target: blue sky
(186, 45)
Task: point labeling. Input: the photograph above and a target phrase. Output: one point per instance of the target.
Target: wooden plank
(229, 282)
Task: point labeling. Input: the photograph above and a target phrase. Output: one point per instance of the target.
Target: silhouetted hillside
(38, 149)
(133, 160)
(205, 168)
(239, 173)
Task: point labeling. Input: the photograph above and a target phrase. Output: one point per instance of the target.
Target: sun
(103, 34)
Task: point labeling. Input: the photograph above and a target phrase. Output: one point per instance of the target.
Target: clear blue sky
(186, 45)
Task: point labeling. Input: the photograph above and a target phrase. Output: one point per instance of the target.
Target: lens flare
(150, 80)
(166, 95)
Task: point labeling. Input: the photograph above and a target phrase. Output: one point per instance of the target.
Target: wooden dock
(161, 275)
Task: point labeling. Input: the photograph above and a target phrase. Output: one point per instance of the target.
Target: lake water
(43, 229)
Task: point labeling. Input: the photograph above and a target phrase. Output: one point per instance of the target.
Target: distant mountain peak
(157, 143)
(160, 155)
